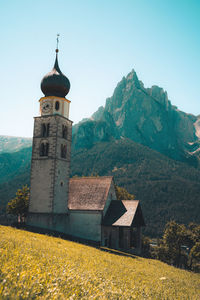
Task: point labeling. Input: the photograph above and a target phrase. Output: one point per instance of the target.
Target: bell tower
(50, 165)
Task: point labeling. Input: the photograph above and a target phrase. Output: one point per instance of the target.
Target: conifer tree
(19, 205)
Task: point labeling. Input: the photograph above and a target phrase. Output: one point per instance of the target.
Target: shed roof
(124, 213)
(88, 193)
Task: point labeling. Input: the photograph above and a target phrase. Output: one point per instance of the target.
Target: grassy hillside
(34, 266)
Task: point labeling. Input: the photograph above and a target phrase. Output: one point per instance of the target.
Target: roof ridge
(91, 177)
(130, 200)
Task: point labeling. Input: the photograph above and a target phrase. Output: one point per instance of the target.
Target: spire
(55, 83)
(56, 66)
(57, 41)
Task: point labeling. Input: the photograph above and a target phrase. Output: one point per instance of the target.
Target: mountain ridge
(13, 143)
(144, 115)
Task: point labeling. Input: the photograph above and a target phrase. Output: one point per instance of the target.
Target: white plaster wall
(55, 222)
(86, 225)
(66, 109)
(63, 107)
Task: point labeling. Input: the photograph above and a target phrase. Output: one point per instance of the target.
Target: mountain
(14, 172)
(12, 164)
(167, 189)
(12, 144)
(144, 115)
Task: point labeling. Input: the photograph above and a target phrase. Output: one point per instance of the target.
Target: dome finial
(55, 83)
(57, 40)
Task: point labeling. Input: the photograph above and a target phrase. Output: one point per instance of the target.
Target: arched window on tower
(63, 151)
(64, 132)
(57, 105)
(44, 149)
(48, 126)
(45, 129)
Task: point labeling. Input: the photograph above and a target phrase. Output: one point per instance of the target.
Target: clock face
(46, 107)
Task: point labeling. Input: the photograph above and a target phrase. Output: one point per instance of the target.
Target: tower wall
(41, 195)
(50, 171)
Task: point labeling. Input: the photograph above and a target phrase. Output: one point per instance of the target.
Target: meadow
(35, 266)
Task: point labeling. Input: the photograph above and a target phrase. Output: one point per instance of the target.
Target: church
(84, 208)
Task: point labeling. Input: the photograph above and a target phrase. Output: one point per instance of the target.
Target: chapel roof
(88, 193)
(124, 213)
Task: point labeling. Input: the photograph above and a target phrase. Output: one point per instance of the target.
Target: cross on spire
(57, 41)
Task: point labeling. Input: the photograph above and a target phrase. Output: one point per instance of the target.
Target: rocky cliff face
(144, 115)
(13, 144)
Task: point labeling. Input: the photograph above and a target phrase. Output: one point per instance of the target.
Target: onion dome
(55, 83)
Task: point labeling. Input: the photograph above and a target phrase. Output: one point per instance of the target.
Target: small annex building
(84, 208)
(97, 215)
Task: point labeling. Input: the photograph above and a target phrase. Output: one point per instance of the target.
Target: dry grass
(34, 266)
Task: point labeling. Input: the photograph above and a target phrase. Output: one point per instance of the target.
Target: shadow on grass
(118, 252)
(73, 239)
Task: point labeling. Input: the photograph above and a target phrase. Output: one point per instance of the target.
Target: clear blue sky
(100, 42)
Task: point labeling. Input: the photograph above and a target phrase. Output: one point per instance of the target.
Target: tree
(194, 230)
(174, 237)
(195, 257)
(122, 194)
(19, 205)
(180, 246)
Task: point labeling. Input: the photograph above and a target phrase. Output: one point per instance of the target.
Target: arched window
(57, 105)
(44, 149)
(45, 129)
(64, 132)
(63, 151)
(48, 126)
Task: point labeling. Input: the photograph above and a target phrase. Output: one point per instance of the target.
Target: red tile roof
(88, 193)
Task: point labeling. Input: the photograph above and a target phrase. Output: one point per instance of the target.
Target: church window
(61, 184)
(64, 132)
(44, 149)
(47, 149)
(63, 151)
(57, 105)
(48, 125)
(45, 129)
